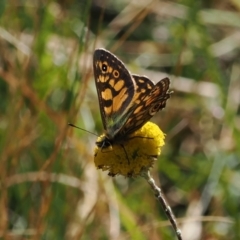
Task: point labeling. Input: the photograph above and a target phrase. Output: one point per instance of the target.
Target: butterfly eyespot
(104, 67)
(156, 106)
(116, 73)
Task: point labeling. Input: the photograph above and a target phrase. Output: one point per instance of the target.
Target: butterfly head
(104, 142)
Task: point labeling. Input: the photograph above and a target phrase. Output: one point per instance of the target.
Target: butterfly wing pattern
(126, 101)
(115, 88)
(148, 106)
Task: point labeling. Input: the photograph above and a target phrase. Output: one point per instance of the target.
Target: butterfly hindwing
(153, 102)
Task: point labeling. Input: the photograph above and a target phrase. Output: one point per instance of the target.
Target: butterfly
(127, 101)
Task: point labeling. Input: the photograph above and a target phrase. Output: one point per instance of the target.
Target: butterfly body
(126, 101)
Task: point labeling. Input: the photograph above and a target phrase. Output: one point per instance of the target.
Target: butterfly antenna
(72, 125)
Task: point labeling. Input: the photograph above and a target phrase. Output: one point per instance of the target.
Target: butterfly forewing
(115, 88)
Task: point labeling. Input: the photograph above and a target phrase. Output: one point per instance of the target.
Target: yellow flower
(129, 157)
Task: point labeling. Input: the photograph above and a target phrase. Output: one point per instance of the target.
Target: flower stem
(158, 193)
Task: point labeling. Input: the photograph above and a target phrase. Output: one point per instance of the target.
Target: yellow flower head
(129, 157)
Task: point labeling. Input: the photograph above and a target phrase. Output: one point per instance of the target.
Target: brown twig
(158, 193)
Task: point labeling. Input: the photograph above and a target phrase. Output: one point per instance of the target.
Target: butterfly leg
(125, 153)
(139, 137)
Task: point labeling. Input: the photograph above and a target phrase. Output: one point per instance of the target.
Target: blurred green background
(49, 186)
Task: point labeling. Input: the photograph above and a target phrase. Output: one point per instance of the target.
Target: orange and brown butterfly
(127, 101)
